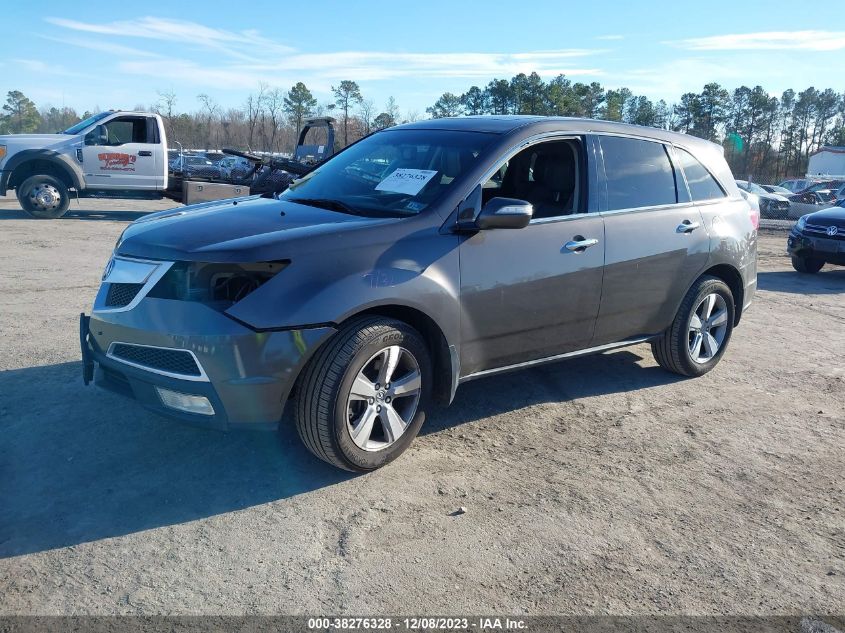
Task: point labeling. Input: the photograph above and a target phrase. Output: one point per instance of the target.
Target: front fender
(420, 272)
(59, 160)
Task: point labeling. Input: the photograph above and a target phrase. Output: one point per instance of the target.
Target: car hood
(236, 230)
(828, 217)
(775, 197)
(19, 142)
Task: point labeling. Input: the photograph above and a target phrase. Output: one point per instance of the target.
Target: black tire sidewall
(704, 288)
(32, 181)
(359, 459)
(808, 265)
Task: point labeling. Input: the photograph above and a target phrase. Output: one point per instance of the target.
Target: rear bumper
(4, 182)
(831, 251)
(246, 376)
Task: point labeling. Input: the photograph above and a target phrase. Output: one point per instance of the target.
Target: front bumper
(246, 376)
(829, 250)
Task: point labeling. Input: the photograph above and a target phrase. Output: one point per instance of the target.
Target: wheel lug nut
(387, 386)
(387, 399)
(378, 408)
(371, 400)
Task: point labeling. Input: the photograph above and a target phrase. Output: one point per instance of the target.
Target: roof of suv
(504, 124)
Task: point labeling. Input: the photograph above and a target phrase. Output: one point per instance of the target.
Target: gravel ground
(602, 485)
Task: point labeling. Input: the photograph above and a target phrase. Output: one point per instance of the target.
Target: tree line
(765, 137)
(269, 120)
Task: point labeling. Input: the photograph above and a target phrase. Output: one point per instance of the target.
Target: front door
(124, 153)
(534, 292)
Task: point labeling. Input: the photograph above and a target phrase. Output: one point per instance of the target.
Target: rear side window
(639, 173)
(702, 185)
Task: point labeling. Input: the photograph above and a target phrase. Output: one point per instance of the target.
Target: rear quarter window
(702, 184)
(639, 173)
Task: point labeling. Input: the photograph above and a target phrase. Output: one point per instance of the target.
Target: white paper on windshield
(410, 181)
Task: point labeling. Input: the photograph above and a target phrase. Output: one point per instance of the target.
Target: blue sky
(120, 54)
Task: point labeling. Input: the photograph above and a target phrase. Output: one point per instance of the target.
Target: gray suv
(421, 257)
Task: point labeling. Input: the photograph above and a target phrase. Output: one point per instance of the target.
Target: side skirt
(552, 359)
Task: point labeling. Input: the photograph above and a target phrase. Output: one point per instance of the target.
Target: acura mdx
(421, 257)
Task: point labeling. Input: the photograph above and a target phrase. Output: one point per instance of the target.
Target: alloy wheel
(707, 328)
(383, 399)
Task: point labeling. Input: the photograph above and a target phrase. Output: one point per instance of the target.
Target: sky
(104, 55)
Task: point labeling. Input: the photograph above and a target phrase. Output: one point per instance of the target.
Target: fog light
(185, 402)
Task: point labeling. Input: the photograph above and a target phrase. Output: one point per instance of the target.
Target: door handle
(579, 244)
(687, 227)
(145, 152)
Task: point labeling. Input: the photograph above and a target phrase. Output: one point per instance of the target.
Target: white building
(828, 160)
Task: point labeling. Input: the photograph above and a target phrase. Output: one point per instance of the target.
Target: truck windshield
(76, 129)
(393, 172)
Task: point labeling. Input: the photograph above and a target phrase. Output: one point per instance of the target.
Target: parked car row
(793, 198)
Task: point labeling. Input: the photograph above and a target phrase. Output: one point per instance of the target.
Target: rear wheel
(699, 335)
(362, 398)
(44, 197)
(809, 265)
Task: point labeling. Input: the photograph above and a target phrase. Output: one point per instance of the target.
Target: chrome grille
(169, 361)
(821, 231)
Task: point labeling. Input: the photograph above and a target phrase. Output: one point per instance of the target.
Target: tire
(331, 415)
(809, 265)
(43, 197)
(684, 347)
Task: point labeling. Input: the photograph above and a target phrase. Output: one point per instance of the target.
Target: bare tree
(166, 107)
(254, 109)
(209, 111)
(367, 112)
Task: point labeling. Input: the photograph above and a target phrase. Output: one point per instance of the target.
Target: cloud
(37, 66)
(239, 66)
(103, 46)
(769, 40)
(610, 37)
(240, 44)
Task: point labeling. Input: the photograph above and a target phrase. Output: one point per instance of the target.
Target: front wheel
(808, 265)
(362, 398)
(699, 335)
(44, 197)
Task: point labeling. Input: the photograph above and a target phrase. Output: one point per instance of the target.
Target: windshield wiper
(326, 203)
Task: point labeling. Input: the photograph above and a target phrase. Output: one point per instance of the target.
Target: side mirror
(504, 213)
(97, 136)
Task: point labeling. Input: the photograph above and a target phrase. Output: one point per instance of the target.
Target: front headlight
(2, 152)
(217, 285)
(802, 222)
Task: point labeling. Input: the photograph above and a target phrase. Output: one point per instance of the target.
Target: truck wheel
(699, 335)
(44, 197)
(362, 398)
(807, 264)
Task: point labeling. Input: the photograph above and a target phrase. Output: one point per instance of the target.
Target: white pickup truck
(111, 154)
(119, 154)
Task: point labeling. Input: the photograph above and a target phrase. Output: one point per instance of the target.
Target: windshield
(394, 172)
(76, 129)
(751, 187)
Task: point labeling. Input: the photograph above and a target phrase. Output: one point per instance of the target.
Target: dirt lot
(600, 485)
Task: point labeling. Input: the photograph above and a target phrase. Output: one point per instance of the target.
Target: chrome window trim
(203, 377)
(724, 189)
(580, 135)
(161, 269)
(525, 144)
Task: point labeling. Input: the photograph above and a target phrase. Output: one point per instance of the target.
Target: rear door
(656, 241)
(124, 153)
(532, 293)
